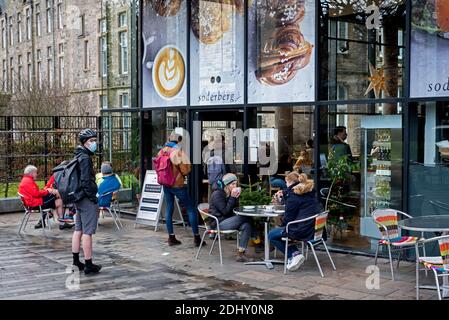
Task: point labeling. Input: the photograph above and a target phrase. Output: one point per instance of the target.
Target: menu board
(429, 67)
(217, 52)
(151, 200)
(281, 57)
(164, 67)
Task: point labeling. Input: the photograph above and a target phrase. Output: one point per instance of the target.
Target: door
(218, 128)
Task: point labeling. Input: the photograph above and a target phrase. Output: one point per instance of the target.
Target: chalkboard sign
(151, 202)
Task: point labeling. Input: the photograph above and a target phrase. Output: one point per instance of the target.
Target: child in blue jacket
(108, 183)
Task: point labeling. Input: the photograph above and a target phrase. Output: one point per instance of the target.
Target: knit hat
(229, 178)
(106, 168)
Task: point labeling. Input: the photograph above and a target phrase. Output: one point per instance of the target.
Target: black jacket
(221, 206)
(87, 175)
(299, 207)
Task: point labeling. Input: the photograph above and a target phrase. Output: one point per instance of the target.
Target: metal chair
(320, 223)
(111, 209)
(203, 209)
(439, 265)
(44, 213)
(387, 222)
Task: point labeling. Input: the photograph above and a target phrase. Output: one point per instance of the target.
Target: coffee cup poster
(217, 52)
(429, 71)
(281, 48)
(164, 66)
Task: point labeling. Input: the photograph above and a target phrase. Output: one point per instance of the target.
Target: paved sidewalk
(138, 264)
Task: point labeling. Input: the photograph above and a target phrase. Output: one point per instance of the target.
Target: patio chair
(111, 209)
(203, 209)
(439, 265)
(44, 214)
(320, 223)
(387, 222)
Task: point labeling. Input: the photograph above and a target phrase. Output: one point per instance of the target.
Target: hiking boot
(172, 241)
(241, 257)
(79, 265)
(93, 268)
(197, 240)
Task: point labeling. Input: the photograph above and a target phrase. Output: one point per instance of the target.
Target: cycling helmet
(86, 134)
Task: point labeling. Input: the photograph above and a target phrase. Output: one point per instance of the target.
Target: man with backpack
(172, 165)
(85, 200)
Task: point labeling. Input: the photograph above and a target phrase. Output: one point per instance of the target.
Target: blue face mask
(92, 147)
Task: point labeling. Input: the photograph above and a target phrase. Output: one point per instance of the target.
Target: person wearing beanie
(108, 183)
(222, 203)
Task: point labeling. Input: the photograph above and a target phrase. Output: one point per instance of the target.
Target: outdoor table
(262, 212)
(436, 223)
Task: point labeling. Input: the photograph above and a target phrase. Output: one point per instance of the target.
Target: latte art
(168, 72)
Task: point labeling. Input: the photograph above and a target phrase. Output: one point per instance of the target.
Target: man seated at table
(222, 203)
(34, 198)
(300, 203)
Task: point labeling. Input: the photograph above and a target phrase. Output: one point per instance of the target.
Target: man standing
(339, 147)
(86, 203)
(180, 168)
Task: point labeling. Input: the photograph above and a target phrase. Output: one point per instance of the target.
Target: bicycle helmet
(86, 134)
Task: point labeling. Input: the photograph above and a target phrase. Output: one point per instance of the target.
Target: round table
(262, 212)
(436, 223)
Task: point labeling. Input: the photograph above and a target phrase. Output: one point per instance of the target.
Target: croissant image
(210, 20)
(282, 56)
(166, 8)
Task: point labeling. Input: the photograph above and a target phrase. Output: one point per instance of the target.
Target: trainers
(295, 262)
(94, 268)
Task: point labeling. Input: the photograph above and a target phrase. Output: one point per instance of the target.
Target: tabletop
(260, 211)
(433, 223)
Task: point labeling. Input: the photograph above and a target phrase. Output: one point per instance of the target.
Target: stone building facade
(77, 50)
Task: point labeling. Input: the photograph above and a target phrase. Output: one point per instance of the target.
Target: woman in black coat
(300, 203)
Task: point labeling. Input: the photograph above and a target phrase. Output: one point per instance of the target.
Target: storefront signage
(164, 67)
(217, 53)
(429, 49)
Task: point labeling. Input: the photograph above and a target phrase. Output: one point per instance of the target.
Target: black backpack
(67, 180)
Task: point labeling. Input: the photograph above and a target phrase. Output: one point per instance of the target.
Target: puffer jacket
(32, 196)
(87, 175)
(301, 203)
(222, 206)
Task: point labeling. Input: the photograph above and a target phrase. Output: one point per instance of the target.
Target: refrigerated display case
(382, 168)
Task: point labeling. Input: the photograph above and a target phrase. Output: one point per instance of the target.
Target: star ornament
(377, 81)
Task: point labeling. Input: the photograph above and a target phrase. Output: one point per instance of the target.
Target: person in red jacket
(32, 196)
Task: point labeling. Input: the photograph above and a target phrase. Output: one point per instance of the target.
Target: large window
(103, 52)
(123, 52)
(362, 46)
(28, 23)
(49, 17)
(38, 20)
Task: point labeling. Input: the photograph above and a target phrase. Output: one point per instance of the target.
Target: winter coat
(221, 205)
(301, 203)
(108, 184)
(340, 149)
(32, 196)
(87, 175)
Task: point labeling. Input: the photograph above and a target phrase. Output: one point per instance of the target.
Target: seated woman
(304, 164)
(222, 202)
(300, 203)
(35, 198)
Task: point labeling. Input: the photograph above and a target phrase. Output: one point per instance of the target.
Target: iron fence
(45, 141)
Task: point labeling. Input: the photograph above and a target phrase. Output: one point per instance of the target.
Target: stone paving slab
(139, 264)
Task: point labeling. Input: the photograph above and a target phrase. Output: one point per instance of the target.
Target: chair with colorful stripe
(439, 265)
(213, 227)
(387, 222)
(320, 224)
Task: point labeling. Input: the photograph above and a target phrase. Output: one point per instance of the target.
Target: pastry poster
(281, 53)
(429, 68)
(164, 67)
(217, 52)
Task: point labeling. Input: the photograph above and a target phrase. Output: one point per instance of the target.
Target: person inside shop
(284, 167)
(338, 146)
(222, 204)
(216, 168)
(300, 203)
(304, 164)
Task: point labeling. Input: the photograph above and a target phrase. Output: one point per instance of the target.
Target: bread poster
(164, 39)
(281, 54)
(217, 52)
(429, 68)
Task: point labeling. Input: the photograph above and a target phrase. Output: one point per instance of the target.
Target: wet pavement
(138, 264)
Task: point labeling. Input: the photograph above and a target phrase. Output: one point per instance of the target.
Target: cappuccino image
(168, 72)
